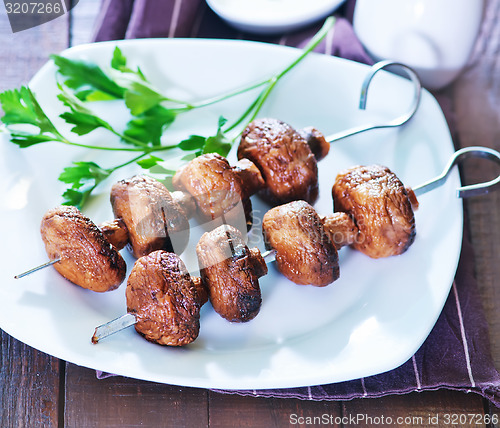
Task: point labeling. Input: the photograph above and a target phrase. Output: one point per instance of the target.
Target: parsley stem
(246, 112)
(272, 82)
(129, 139)
(145, 150)
(318, 37)
(90, 146)
(126, 163)
(219, 98)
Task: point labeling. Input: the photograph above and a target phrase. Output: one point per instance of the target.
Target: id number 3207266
(34, 8)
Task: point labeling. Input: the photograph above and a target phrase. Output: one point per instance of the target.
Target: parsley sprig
(80, 83)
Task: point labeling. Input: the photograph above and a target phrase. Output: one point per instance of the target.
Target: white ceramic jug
(435, 37)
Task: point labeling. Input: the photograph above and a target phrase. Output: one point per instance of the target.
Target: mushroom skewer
(230, 271)
(382, 208)
(287, 158)
(79, 251)
(235, 293)
(163, 299)
(149, 217)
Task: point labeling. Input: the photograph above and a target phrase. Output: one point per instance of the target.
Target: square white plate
(369, 321)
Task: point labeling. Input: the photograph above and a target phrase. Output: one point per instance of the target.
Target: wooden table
(38, 390)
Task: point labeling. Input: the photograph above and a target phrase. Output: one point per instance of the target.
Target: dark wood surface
(38, 390)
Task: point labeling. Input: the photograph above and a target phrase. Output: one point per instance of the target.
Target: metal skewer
(128, 319)
(398, 121)
(269, 256)
(464, 191)
(113, 327)
(43, 266)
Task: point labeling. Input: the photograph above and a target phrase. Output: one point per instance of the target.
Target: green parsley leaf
(82, 172)
(79, 115)
(21, 107)
(86, 75)
(150, 162)
(193, 142)
(118, 61)
(141, 97)
(92, 95)
(222, 121)
(218, 143)
(158, 167)
(24, 140)
(75, 197)
(150, 125)
(84, 123)
(84, 178)
(190, 156)
(198, 144)
(167, 181)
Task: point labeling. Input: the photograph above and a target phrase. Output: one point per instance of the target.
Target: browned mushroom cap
(154, 221)
(304, 252)
(230, 272)
(216, 187)
(86, 257)
(379, 204)
(284, 158)
(163, 298)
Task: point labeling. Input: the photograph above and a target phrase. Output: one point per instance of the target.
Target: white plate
(369, 321)
(272, 16)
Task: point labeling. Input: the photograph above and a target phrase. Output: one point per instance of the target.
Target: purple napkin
(456, 355)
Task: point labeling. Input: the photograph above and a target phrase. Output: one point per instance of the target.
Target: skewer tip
(37, 268)
(113, 327)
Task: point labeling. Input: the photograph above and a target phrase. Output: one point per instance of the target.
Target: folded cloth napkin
(456, 355)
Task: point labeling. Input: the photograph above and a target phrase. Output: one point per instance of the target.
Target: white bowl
(272, 16)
